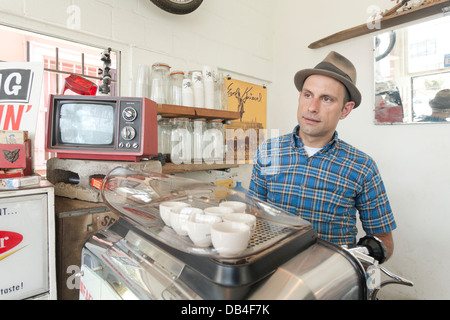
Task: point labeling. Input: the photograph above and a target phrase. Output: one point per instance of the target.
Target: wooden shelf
(181, 168)
(428, 9)
(172, 111)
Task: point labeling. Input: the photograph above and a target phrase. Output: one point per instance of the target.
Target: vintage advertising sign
(23, 247)
(250, 100)
(20, 91)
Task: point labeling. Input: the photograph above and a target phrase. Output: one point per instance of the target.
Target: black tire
(177, 7)
(392, 41)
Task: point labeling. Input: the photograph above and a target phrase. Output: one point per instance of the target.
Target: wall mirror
(412, 74)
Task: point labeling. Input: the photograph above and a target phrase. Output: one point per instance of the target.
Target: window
(61, 58)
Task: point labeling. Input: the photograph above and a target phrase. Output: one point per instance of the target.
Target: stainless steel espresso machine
(143, 256)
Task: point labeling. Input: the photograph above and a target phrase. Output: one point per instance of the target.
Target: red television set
(102, 128)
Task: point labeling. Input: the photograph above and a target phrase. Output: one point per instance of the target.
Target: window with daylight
(61, 58)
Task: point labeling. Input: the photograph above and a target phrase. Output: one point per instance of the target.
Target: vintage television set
(102, 128)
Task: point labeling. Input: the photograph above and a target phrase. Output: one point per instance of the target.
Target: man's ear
(348, 107)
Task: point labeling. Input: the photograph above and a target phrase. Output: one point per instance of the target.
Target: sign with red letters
(20, 91)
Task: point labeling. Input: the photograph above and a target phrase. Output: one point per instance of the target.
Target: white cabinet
(27, 243)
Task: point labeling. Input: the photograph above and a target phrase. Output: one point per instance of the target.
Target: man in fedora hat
(312, 173)
(440, 107)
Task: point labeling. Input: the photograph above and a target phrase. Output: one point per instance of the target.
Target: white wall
(268, 41)
(413, 159)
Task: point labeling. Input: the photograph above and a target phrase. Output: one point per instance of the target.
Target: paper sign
(20, 91)
(23, 247)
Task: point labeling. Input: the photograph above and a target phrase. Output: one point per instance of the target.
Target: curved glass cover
(137, 196)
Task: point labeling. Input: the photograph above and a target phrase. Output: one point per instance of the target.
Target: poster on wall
(245, 134)
(20, 90)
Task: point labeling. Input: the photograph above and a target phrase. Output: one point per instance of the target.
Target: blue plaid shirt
(326, 189)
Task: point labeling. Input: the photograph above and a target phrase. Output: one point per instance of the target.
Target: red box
(16, 156)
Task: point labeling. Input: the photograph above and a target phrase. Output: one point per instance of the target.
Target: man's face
(321, 106)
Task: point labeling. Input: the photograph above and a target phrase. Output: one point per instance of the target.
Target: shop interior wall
(413, 159)
(233, 36)
(267, 40)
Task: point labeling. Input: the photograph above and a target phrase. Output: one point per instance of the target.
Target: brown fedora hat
(338, 67)
(441, 100)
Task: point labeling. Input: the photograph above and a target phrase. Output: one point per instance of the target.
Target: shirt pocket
(285, 190)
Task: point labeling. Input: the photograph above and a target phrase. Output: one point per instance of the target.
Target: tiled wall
(235, 35)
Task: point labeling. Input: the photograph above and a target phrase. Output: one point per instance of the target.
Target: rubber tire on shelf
(178, 8)
(392, 41)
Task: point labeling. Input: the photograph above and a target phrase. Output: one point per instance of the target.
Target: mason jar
(175, 88)
(164, 138)
(159, 82)
(214, 139)
(181, 139)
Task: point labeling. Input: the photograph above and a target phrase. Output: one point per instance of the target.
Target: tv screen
(86, 124)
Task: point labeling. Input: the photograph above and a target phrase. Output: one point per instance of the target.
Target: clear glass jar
(175, 87)
(181, 139)
(198, 144)
(214, 139)
(164, 138)
(159, 83)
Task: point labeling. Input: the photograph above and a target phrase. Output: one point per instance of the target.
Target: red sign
(9, 240)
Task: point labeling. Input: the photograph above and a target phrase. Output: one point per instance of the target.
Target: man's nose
(314, 105)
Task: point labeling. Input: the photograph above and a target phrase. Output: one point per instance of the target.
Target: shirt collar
(297, 142)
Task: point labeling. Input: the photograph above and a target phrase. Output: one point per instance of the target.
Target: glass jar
(164, 138)
(198, 129)
(159, 82)
(181, 139)
(214, 139)
(175, 87)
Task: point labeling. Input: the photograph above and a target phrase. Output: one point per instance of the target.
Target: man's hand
(388, 241)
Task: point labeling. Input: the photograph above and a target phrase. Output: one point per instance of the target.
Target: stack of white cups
(208, 87)
(187, 93)
(197, 85)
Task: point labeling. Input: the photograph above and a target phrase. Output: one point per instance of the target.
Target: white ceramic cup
(199, 228)
(164, 209)
(237, 206)
(230, 238)
(218, 211)
(246, 218)
(179, 218)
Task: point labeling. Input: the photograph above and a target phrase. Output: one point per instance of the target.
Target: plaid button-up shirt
(326, 189)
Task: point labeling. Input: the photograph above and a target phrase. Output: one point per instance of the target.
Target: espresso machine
(142, 257)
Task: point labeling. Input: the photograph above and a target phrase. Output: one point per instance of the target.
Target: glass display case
(143, 198)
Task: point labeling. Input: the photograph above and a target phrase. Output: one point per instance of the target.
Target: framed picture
(245, 134)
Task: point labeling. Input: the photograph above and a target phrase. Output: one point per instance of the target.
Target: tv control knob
(128, 133)
(129, 114)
